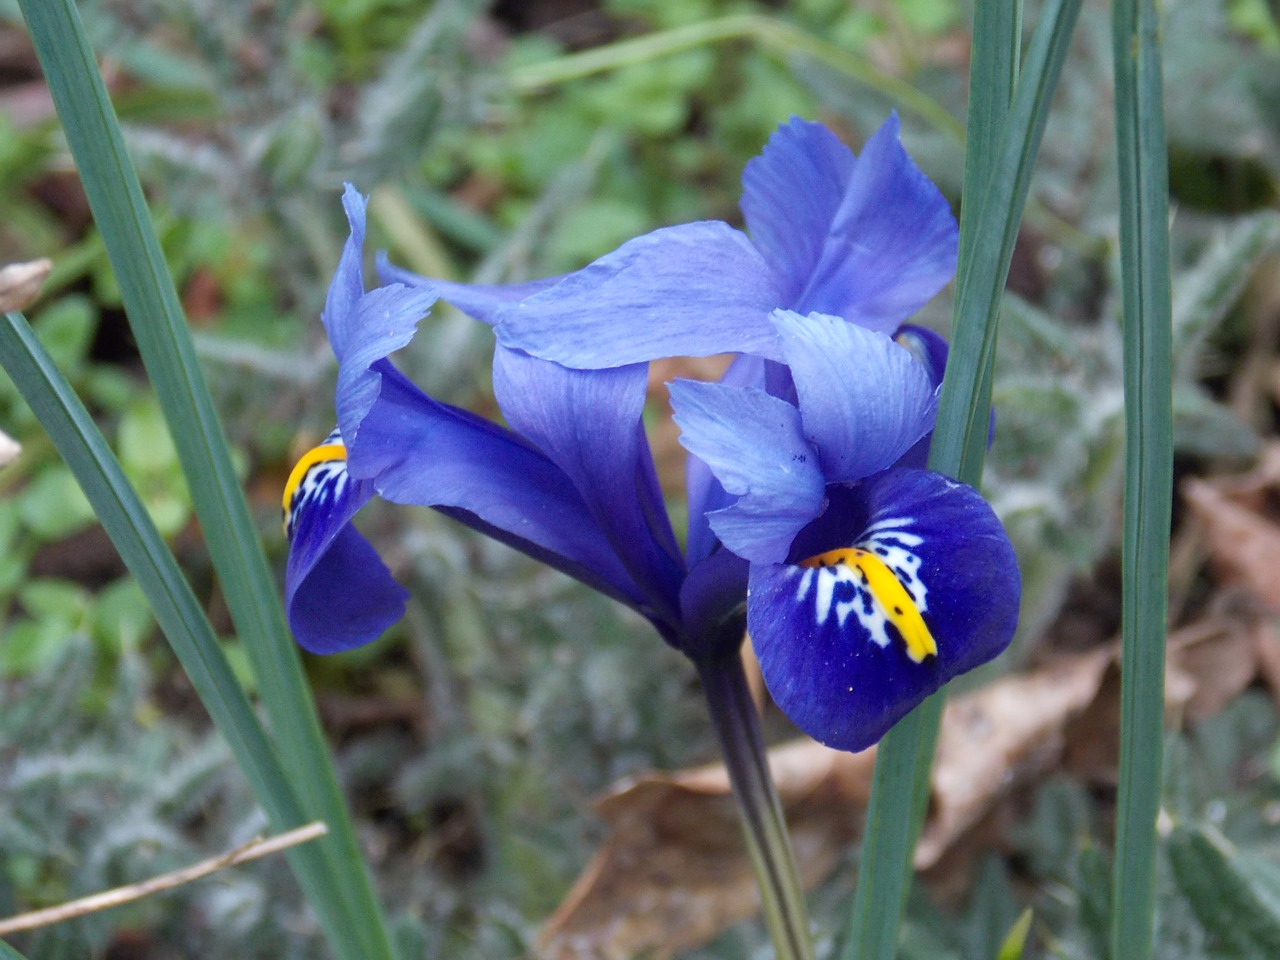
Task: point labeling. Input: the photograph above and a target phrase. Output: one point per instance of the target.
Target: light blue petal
(864, 400)
(383, 321)
(347, 286)
(931, 350)
(704, 493)
(892, 244)
(478, 300)
(692, 290)
(754, 446)
(364, 328)
(588, 422)
(790, 196)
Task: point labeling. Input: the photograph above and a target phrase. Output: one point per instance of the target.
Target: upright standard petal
(338, 592)
(790, 196)
(864, 400)
(754, 445)
(692, 290)
(588, 422)
(892, 244)
(365, 327)
(347, 286)
(384, 321)
(906, 581)
(704, 493)
(424, 452)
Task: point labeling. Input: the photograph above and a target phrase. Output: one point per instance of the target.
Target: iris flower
(570, 482)
(871, 583)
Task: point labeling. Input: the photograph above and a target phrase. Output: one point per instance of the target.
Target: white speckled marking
(887, 540)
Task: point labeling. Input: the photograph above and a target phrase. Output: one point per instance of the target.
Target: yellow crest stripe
(324, 453)
(890, 594)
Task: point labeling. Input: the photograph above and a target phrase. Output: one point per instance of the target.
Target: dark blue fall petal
(754, 445)
(712, 605)
(790, 196)
(338, 592)
(424, 452)
(892, 244)
(931, 350)
(691, 290)
(831, 655)
(864, 400)
(588, 422)
(928, 347)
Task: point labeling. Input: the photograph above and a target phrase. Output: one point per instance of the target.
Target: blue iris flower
(871, 582)
(571, 482)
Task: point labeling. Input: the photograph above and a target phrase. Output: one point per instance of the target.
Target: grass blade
(960, 438)
(8, 953)
(1144, 262)
(155, 315)
(769, 33)
(1011, 119)
(176, 609)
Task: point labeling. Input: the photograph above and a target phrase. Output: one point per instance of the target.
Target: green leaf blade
(155, 314)
(1148, 497)
(1004, 143)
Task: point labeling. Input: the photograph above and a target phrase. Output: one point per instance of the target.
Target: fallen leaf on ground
(1241, 526)
(997, 737)
(673, 871)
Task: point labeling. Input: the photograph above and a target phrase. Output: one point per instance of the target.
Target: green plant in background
(472, 634)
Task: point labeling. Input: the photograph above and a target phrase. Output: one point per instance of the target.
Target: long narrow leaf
(8, 953)
(960, 437)
(1000, 155)
(154, 312)
(1148, 361)
(176, 609)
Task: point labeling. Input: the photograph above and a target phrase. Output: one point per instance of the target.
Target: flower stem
(734, 714)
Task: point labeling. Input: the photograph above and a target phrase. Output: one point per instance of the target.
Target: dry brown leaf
(999, 736)
(1266, 645)
(673, 871)
(1217, 658)
(1243, 538)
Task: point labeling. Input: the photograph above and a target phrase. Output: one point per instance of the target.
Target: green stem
(895, 812)
(734, 715)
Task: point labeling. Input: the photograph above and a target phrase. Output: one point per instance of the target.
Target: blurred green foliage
(474, 737)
